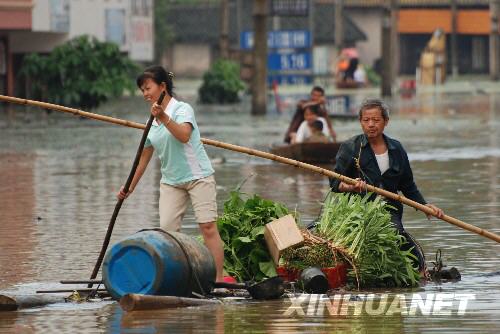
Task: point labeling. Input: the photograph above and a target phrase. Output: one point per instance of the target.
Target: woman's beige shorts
(174, 200)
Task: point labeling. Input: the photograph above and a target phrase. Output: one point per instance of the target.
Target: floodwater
(59, 175)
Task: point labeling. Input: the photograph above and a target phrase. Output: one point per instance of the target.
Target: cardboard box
(281, 234)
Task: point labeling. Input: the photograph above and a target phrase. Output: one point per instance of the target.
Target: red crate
(337, 276)
(288, 274)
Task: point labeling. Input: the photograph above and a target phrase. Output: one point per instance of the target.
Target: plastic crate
(337, 276)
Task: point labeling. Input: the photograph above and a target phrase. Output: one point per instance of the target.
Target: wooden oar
(265, 155)
(118, 205)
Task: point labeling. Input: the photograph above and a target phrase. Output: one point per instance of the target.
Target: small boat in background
(311, 153)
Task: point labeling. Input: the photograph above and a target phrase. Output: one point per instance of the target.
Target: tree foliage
(82, 72)
(222, 83)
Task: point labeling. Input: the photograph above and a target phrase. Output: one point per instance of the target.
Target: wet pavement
(59, 175)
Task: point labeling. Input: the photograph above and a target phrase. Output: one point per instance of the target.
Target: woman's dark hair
(314, 108)
(318, 125)
(158, 75)
(374, 103)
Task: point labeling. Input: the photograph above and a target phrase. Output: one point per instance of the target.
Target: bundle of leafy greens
(309, 254)
(241, 228)
(363, 228)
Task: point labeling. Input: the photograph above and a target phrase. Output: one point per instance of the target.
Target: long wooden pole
(269, 156)
(126, 187)
(135, 302)
(14, 303)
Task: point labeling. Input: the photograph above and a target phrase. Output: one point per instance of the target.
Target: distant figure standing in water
(186, 171)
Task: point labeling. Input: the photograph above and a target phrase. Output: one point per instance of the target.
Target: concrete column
(10, 70)
(9, 82)
(311, 31)
(394, 40)
(224, 29)
(494, 40)
(386, 85)
(239, 24)
(454, 39)
(259, 82)
(339, 25)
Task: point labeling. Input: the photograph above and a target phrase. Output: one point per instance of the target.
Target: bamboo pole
(13, 302)
(135, 302)
(71, 290)
(82, 281)
(269, 156)
(119, 203)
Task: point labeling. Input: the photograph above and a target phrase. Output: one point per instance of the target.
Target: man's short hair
(374, 103)
(314, 108)
(318, 89)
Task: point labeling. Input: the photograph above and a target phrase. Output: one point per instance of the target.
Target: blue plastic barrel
(155, 262)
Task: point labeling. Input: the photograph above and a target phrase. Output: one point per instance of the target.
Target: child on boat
(317, 135)
(311, 114)
(317, 97)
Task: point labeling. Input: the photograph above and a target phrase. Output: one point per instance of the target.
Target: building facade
(196, 31)
(39, 26)
(466, 21)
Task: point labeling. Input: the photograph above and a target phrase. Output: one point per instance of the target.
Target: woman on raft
(186, 171)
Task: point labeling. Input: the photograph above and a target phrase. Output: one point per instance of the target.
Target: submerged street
(59, 175)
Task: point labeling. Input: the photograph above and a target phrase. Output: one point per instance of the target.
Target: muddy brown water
(59, 175)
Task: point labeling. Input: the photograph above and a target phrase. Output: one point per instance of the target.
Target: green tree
(222, 83)
(82, 72)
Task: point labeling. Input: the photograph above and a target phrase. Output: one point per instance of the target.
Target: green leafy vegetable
(363, 228)
(241, 228)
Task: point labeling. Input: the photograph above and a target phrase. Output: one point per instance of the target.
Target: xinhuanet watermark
(379, 304)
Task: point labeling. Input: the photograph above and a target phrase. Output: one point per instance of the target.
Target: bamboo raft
(129, 302)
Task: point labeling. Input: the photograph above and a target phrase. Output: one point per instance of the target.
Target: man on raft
(376, 159)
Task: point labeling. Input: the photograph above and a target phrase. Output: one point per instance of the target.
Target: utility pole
(386, 85)
(494, 41)
(454, 40)
(259, 80)
(224, 29)
(339, 25)
(394, 40)
(311, 24)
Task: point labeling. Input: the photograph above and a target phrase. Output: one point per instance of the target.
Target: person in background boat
(376, 159)
(305, 131)
(347, 66)
(317, 97)
(352, 55)
(317, 135)
(186, 171)
(360, 76)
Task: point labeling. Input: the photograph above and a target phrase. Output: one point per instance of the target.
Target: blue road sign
(289, 61)
(289, 79)
(279, 39)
